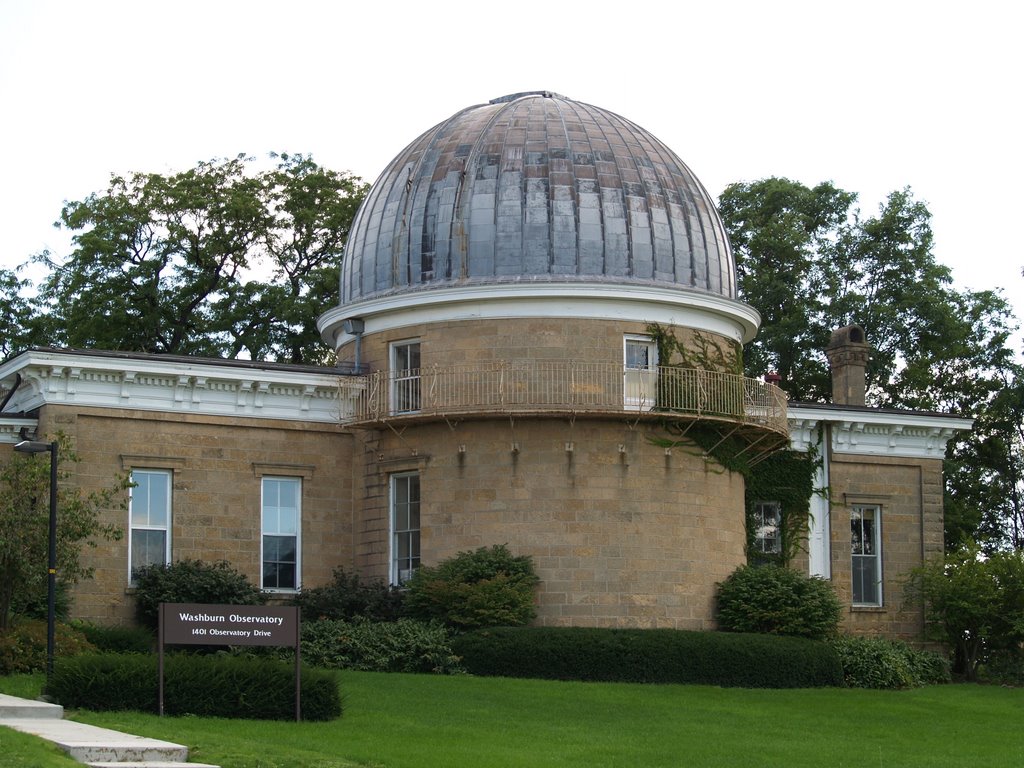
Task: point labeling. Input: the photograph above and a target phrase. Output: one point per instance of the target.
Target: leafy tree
(985, 474)
(972, 603)
(213, 261)
(810, 263)
(15, 313)
(24, 524)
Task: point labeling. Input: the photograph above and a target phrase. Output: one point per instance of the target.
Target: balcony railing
(561, 386)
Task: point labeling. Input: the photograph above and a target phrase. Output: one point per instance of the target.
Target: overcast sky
(874, 96)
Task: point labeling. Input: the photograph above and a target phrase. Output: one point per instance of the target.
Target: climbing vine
(697, 350)
(785, 477)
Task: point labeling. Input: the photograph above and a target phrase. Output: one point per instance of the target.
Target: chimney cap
(850, 334)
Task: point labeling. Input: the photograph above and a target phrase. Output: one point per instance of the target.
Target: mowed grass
(412, 721)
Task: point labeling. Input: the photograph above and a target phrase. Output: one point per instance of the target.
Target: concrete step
(90, 744)
(12, 706)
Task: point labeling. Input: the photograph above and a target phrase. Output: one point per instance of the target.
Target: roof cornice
(152, 383)
(552, 300)
(870, 432)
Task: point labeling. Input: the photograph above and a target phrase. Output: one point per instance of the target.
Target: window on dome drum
(641, 373)
(280, 546)
(405, 526)
(767, 522)
(866, 550)
(149, 514)
(405, 376)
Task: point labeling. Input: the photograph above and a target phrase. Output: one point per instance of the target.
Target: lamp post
(33, 446)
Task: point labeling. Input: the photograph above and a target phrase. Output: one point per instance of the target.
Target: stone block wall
(217, 464)
(622, 533)
(909, 495)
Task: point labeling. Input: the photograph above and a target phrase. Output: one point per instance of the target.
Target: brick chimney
(847, 354)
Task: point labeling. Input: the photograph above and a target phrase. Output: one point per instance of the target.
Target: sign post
(201, 624)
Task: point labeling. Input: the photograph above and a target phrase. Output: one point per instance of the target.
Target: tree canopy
(811, 263)
(218, 261)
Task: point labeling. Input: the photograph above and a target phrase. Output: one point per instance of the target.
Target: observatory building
(539, 344)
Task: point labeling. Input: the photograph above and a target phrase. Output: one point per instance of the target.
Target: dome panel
(536, 187)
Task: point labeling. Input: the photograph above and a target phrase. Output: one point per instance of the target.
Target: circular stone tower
(541, 300)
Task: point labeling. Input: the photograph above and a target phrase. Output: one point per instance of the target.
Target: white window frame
(134, 500)
(405, 391)
(763, 525)
(270, 525)
(640, 380)
(404, 547)
(859, 561)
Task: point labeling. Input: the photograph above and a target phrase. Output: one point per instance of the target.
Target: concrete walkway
(96, 747)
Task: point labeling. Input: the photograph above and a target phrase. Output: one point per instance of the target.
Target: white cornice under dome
(153, 384)
(867, 432)
(645, 304)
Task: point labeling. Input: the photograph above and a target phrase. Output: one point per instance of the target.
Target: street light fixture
(34, 446)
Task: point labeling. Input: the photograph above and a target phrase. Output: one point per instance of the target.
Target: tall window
(405, 377)
(149, 510)
(641, 372)
(865, 523)
(282, 509)
(767, 522)
(405, 526)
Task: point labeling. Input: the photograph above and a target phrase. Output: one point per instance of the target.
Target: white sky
(872, 95)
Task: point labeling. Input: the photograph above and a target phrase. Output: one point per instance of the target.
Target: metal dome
(536, 187)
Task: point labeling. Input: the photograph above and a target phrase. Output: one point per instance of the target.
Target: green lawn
(412, 721)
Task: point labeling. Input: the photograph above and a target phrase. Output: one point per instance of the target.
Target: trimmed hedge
(118, 639)
(206, 686)
(650, 656)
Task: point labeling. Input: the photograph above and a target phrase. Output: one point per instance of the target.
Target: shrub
(348, 597)
(484, 588)
(207, 686)
(190, 581)
(770, 599)
(23, 645)
(875, 662)
(649, 656)
(1003, 667)
(973, 603)
(405, 645)
(35, 604)
(118, 639)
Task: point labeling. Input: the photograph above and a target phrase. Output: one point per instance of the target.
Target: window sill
(867, 609)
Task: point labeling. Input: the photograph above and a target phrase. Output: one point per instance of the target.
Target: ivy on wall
(786, 477)
(696, 350)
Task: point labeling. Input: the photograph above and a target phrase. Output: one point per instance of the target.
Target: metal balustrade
(567, 386)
